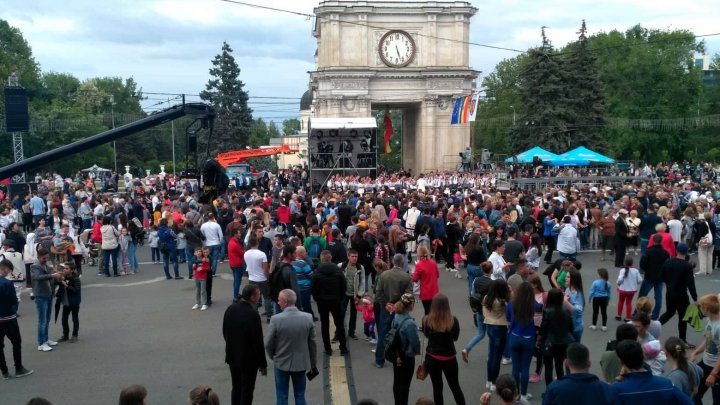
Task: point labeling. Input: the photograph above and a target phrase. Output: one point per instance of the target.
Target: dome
(306, 100)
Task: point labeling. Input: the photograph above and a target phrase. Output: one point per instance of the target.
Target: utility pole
(112, 121)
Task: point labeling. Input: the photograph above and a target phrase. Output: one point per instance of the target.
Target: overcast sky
(167, 45)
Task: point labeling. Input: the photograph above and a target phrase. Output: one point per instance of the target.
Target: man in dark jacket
(647, 226)
(328, 289)
(650, 264)
(9, 324)
(579, 383)
(621, 237)
(677, 274)
(639, 385)
(283, 276)
(244, 346)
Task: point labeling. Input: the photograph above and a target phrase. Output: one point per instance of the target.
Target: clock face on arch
(396, 48)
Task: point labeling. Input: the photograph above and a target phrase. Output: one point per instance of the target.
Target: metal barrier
(539, 183)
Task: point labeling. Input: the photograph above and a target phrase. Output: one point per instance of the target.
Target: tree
(500, 105)
(650, 74)
(16, 57)
(585, 94)
(291, 126)
(546, 119)
(259, 134)
(224, 91)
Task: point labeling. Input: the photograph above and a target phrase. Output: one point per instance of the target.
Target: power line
(306, 15)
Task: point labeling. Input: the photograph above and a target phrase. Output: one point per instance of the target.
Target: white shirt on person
(498, 263)
(212, 232)
(675, 229)
(254, 259)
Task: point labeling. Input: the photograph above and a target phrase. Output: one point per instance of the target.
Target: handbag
(421, 372)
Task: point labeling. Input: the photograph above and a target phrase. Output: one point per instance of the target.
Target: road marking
(145, 282)
(338, 375)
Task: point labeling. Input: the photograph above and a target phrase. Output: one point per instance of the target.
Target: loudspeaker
(192, 144)
(17, 118)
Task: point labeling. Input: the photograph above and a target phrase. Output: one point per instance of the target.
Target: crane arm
(169, 114)
(237, 156)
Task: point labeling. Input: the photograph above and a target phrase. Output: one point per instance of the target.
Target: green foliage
(590, 92)
(585, 92)
(291, 126)
(650, 74)
(548, 112)
(224, 91)
(259, 134)
(502, 100)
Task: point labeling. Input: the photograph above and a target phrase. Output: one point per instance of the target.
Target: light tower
(16, 118)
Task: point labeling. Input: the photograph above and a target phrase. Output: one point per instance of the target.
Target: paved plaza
(140, 329)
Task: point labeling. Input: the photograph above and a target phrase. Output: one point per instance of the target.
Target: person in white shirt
(500, 267)
(258, 270)
(213, 239)
(567, 239)
(675, 227)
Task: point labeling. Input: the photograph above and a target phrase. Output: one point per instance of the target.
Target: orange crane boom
(239, 156)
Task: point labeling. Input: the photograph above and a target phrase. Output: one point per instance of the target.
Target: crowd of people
(372, 249)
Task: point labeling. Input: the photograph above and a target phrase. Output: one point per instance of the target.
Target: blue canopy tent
(528, 155)
(583, 153)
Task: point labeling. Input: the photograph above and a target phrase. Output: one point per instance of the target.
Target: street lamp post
(513, 108)
(112, 121)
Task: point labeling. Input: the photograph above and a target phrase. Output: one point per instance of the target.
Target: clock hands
(398, 52)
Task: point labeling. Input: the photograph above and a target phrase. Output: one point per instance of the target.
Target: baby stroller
(92, 258)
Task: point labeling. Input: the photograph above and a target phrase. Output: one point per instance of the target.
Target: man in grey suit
(290, 343)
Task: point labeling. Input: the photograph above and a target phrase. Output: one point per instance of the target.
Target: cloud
(168, 45)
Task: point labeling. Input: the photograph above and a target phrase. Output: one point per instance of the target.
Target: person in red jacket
(236, 256)
(201, 268)
(96, 234)
(667, 240)
(426, 272)
(283, 214)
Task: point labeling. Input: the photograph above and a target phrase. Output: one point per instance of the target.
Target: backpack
(393, 347)
(315, 247)
(277, 280)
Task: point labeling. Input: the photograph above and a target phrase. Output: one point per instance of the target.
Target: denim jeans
(237, 279)
(480, 319)
(215, 252)
(86, 224)
(521, 351)
(282, 386)
(44, 309)
(383, 326)
(132, 256)
(189, 254)
(497, 335)
(349, 303)
(155, 254)
(570, 256)
(657, 288)
(305, 299)
(643, 247)
(473, 272)
(171, 255)
(106, 260)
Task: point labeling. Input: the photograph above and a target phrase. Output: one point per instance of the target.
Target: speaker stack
(17, 118)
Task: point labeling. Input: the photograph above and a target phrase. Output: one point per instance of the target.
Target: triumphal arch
(409, 55)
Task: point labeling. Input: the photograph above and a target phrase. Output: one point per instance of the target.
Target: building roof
(306, 100)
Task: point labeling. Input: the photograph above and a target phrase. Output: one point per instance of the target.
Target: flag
(465, 110)
(472, 108)
(456, 111)
(388, 131)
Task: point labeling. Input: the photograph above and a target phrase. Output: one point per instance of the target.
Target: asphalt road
(140, 329)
